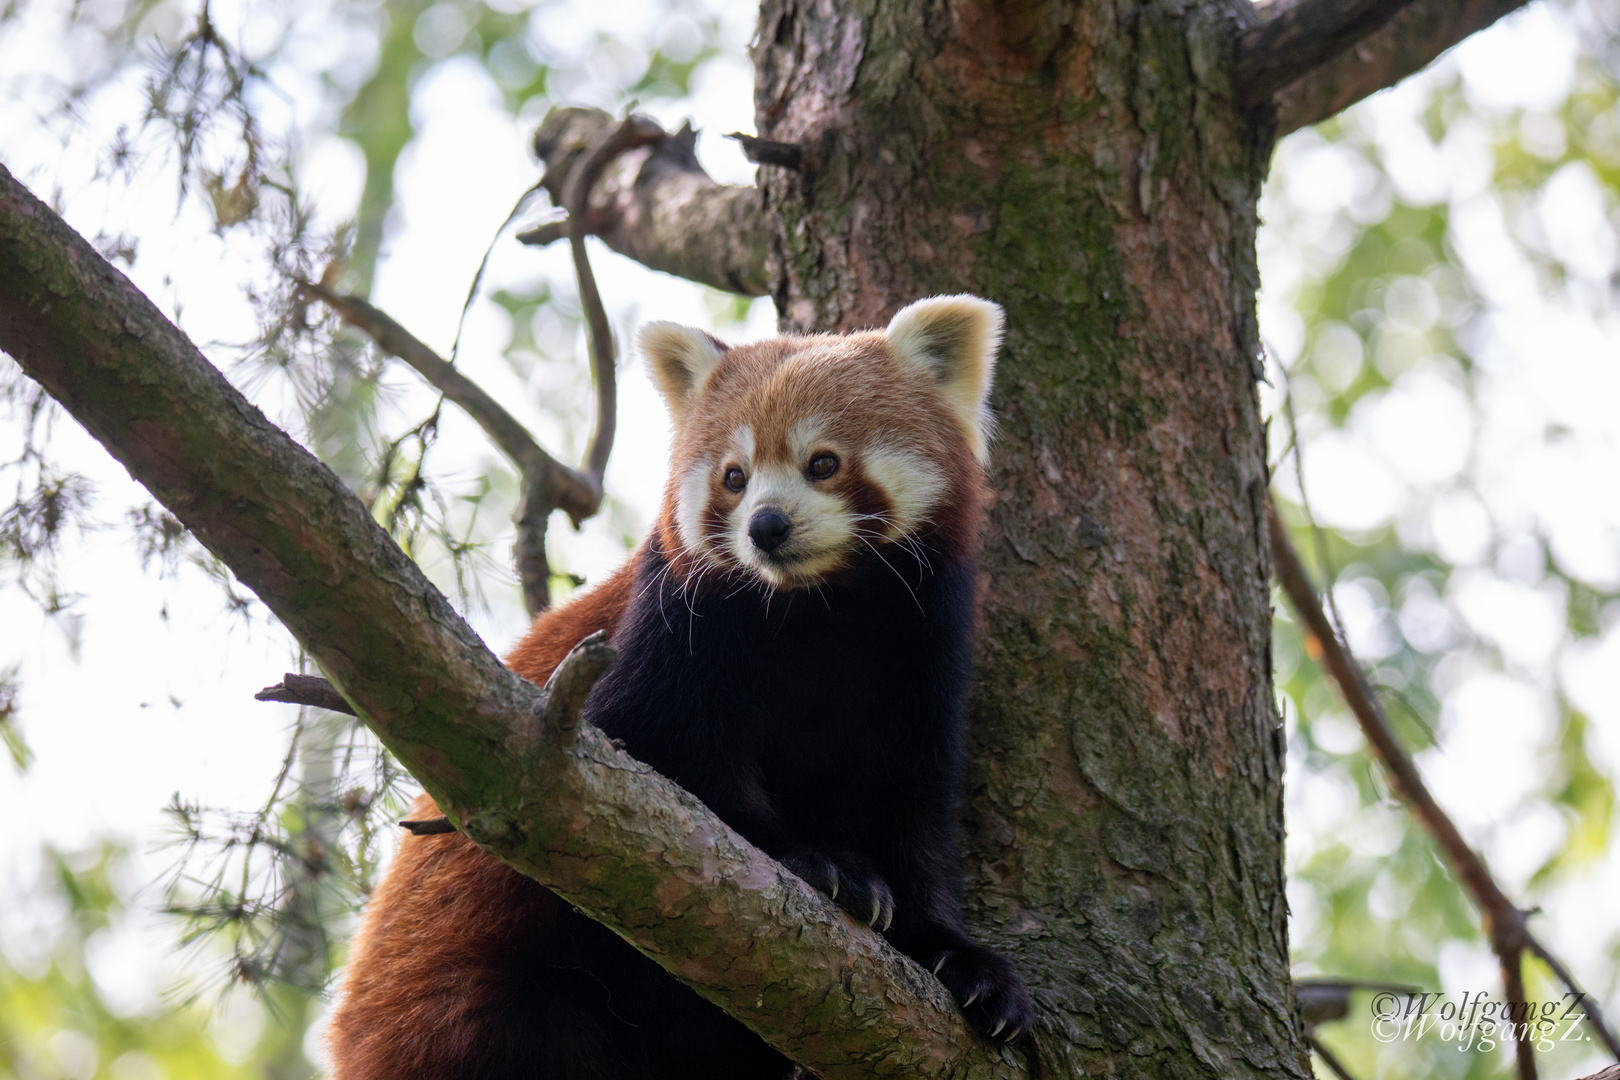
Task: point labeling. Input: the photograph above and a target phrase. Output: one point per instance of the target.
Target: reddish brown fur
(557, 631)
(856, 382)
(448, 922)
(413, 981)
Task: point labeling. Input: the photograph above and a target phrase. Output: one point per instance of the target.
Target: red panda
(794, 641)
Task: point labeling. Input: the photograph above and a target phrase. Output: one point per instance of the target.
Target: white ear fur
(955, 339)
(680, 358)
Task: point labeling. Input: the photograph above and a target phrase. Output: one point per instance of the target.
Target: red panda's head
(797, 457)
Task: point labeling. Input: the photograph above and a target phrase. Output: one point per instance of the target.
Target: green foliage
(55, 1021)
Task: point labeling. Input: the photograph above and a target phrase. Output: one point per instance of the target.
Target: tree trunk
(1084, 166)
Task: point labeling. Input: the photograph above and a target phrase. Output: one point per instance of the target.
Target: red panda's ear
(955, 339)
(679, 357)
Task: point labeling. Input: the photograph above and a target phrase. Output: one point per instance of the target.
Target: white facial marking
(912, 483)
(691, 503)
(742, 445)
(804, 437)
(822, 533)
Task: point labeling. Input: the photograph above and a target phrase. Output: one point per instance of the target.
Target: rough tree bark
(1084, 166)
(1095, 168)
(1088, 165)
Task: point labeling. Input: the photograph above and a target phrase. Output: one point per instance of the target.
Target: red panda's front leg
(913, 900)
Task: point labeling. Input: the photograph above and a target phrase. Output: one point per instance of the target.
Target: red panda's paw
(991, 994)
(849, 880)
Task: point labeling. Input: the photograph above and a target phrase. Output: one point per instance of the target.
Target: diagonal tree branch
(546, 484)
(576, 494)
(568, 808)
(1504, 922)
(656, 205)
(1418, 32)
(1296, 38)
(1524, 1046)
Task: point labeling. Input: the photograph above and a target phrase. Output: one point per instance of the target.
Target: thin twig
(546, 483)
(1562, 974)
(1504, 922)
(635, 131)
(483, 267)
(428, 826)
(769, 152)
(572, 492)
(547, 232)
(1524, 1043)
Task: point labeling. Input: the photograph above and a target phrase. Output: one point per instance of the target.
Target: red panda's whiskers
(897, 573)
(904, 540)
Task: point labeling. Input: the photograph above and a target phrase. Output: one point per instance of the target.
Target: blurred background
(181, 864)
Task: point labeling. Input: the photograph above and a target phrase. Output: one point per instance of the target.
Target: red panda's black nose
(769, 529)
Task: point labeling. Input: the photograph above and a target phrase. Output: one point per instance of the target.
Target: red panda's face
(799, 456)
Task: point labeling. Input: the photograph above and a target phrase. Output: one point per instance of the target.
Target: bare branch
(1417, 33)
(536, 500)
(636, 131)
(769, 152)
(1300, 38)
(1322, 999)
(428, 826)
(547, 484)
(603, 831)
(295, 689)
(1331, 1060)
(1563, 975)
(657, 205)
(1524, 1042)
(1504, 922)
(570, 491)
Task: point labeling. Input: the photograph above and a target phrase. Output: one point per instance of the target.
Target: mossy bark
(1083, 165)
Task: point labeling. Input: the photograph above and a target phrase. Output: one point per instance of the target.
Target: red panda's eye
(735, 480)
(822, 466)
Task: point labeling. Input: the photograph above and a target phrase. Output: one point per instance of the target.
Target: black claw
(849, 882)
(992, 997)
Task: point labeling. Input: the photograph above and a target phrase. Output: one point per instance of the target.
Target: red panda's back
(445, 929)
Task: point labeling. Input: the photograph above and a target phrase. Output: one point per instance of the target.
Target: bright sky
(147, 690)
